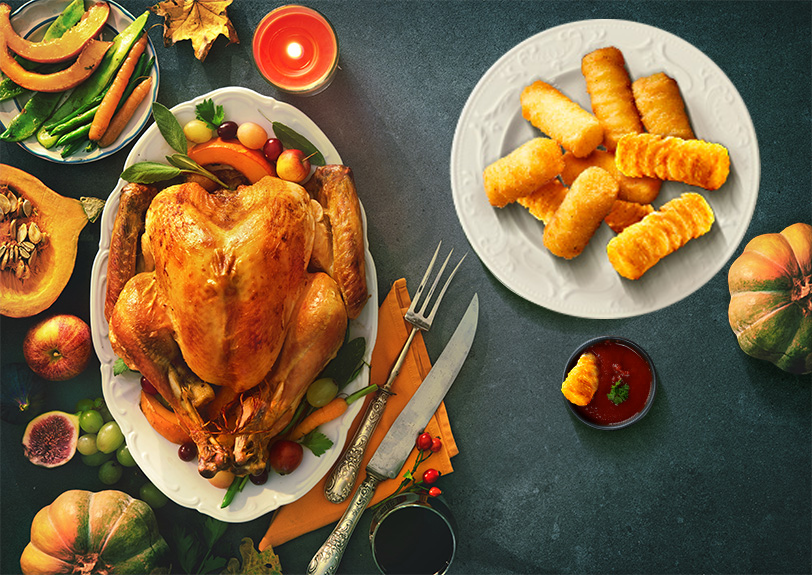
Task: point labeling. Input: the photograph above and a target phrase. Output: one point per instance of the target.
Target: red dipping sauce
(296, 49)
(616, 360)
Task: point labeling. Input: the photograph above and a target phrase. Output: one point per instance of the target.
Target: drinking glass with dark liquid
(413, 533)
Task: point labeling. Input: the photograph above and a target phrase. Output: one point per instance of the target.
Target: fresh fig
(50, 439)
(22, 394)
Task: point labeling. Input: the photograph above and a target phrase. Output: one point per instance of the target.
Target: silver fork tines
(418, 318)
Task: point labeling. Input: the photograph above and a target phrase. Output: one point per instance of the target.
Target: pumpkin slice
(251, 163)
(57, 221)
(70, 77)
(59, 49)
(163, 420)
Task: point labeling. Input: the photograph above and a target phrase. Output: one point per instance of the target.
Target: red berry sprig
(426, 446)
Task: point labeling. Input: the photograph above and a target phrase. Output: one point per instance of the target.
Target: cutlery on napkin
(312, 510)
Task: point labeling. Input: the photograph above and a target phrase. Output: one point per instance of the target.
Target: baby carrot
(111, 99)
(126, 112)
(329, 412)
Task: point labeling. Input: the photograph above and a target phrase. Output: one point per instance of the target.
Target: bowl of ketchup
(626, 386)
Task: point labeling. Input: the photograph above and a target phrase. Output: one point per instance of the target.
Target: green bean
(78, 133)
(78, 120)
(236, 486)
(72, 148)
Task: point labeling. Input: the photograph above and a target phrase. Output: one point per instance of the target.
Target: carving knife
(397, 444)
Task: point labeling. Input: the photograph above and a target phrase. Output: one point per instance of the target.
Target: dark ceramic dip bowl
(618, 358)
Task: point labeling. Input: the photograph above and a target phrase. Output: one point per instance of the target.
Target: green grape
(91, 421)
(124, 456)
(321, 392)
(86, 444)
(96, 459)
(105, 413)
(109, 438)
(98, 403)
(152, 496)
(84, 405)
(110, 472)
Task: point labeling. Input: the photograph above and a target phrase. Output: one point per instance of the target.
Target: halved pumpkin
(59, 49)
(70, 77)
(251, 163)
(60, 219)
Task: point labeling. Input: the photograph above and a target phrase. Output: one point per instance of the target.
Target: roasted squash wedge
(39, 231)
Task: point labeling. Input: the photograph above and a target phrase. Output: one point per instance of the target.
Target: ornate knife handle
(345, 473)
(328, 557)
(342, 479)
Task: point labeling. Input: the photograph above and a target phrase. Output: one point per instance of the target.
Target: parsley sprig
(210, 113)
(619, 392)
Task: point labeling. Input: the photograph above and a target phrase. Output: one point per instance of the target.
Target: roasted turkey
(231, 302)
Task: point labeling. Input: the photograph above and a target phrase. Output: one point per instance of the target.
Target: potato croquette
(543, 203)
(580, 214)
(637, 248)
(693, 162)
(560, 118)
(581, 382)
(610, 91)
(522, 171)
(623, 214)
(639, 190)
(661, 107)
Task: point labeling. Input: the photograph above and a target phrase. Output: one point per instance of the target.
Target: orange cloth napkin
(313, 511)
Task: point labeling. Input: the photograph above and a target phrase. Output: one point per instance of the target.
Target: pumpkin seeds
(34, 233)
(22, 239)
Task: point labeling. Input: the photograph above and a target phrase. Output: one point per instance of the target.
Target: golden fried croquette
(623, 214)
(610, 91)
(639, 190)
(581, 383)
(522, 171)
(693, 162)
(560, 118)
(543, 203)
(661, 107)
(580, 214)
(637, 248)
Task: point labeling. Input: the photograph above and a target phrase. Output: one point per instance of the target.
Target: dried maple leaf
(200, 21)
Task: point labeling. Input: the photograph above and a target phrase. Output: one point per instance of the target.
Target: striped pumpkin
(84, 532)
(771, 298)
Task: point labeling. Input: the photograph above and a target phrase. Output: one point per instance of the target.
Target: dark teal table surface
(715, 479)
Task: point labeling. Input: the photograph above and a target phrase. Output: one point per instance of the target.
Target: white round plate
(30, 21)
(509, 240)
(157, 457)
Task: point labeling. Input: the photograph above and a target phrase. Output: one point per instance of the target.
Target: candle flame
(295, 50)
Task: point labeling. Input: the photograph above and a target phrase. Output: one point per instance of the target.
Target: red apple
(58, 347)
(293, 166)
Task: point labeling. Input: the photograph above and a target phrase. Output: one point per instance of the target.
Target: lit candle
(296, 49)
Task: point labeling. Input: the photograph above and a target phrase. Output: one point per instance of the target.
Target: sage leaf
(187, 164)
(169, 127)
(290, 138)
(149, 173)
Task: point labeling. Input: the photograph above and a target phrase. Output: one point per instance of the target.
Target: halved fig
(70, 77)
(50, 439)
(59, 49)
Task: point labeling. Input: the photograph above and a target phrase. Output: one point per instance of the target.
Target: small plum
(293, 166)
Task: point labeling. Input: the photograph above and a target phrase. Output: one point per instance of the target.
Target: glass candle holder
(296, 49)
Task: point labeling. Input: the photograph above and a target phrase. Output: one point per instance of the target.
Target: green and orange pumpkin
(84, 532)
(771, 298)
